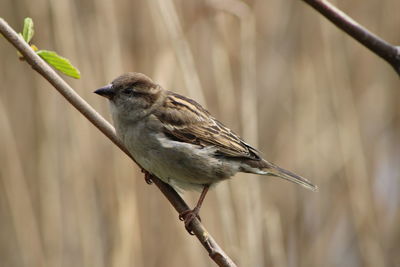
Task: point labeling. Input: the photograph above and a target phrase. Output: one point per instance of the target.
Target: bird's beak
(106, 91)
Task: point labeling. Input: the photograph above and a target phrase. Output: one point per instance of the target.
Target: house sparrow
(175, 139)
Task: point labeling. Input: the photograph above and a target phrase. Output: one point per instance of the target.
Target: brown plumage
(187, 121)
(176, 139)
(184, 120)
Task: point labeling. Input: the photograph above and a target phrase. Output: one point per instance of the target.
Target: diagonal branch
(214, 250)
(377, 45)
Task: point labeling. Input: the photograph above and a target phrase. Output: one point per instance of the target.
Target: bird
(177, 140)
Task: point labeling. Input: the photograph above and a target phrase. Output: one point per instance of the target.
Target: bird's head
(131, 95)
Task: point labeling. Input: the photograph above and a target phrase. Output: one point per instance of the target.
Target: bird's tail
(274, 170)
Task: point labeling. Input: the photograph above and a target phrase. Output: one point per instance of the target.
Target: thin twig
(377, 45)
(215, 252)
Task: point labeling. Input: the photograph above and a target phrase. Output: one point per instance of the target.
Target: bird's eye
(127, 91)
(130, 92)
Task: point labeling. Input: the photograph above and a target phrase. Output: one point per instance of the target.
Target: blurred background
(308, 96)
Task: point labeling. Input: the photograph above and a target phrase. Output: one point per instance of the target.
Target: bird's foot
(188, 216)
(147, 177)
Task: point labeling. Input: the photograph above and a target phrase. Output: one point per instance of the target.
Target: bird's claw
(187, 217)
(147, 177)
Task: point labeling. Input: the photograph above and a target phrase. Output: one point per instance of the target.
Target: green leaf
(28, 31)
(60, 63)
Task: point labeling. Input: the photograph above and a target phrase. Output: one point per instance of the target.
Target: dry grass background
(308, 96)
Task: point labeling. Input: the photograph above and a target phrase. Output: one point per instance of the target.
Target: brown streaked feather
(187, 121)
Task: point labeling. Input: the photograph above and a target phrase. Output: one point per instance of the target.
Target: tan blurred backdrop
(309, 97)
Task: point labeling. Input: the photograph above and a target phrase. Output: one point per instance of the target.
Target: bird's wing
(184, 120)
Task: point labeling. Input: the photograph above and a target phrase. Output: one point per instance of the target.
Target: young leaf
(60, 63)
(27, 32)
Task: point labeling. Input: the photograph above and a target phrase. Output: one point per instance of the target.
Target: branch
(377, 45)
(215, 252)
